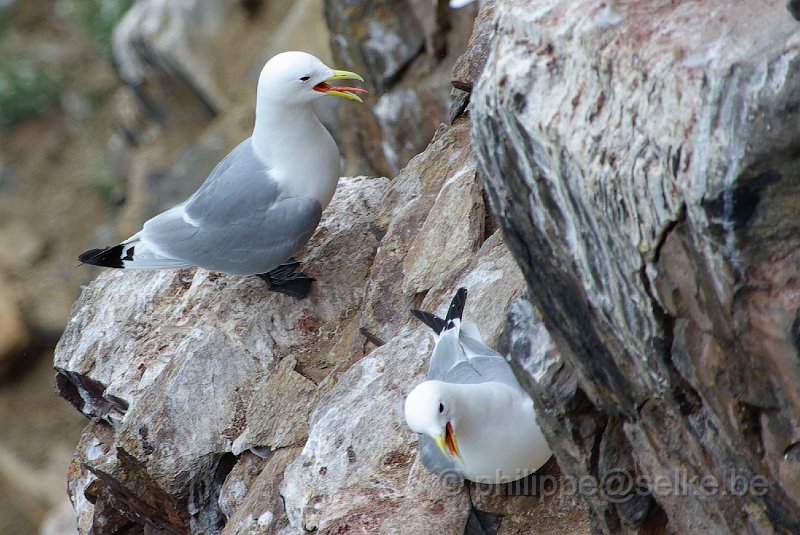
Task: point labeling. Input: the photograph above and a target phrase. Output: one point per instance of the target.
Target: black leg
(284, 279)
(480, 522)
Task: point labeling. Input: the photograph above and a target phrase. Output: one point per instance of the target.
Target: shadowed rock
(657, 157)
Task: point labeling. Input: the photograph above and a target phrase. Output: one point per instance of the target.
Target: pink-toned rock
(358, 471)
(198, 348)
(642, 160)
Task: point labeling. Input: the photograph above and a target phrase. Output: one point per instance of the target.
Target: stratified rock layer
(643, 160)
(190, 376)
(180, 368)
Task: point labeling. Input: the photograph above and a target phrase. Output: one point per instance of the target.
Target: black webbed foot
(479, 522)
(284, 279)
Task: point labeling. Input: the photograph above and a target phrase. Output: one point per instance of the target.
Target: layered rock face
(178, 366)
(217, 407)
(644, 162)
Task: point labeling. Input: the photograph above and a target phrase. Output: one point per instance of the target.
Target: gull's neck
(298, 150)
(278, 128)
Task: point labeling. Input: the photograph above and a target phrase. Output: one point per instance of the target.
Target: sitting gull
(475, 420)
(263, 201)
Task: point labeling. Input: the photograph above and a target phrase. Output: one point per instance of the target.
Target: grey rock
(657, 159)
(376, 38)
(159, 51)
(198, 346)
(407, 206)
(358, 470)
(469, 66)
(261, 511)
(405, 51)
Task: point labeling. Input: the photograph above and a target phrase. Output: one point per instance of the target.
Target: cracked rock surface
(220, 408)
(643, 162)
(181, 370)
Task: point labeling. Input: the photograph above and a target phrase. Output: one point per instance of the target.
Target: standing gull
(475, 420)
(263, 201)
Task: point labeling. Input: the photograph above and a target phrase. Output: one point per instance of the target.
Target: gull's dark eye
(441, 408)
(305, 78)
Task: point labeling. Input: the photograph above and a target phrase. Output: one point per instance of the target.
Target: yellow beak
(340, 91)
(344, 75)
(446, 440)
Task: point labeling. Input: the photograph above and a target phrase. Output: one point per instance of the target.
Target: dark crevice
(792, 452)
(88, 396)
(668, 229)
(739, 204)
(748, 418)
(140, 499)
(490, 223)
(482, 523)
(796, 332)
(67, 390)
(371, 337)
(794, 8)
(683, 396)
(224, 467)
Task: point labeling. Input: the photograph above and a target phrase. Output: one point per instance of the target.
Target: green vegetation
(97, 18)
(29, 87)
(103, 180)
(26, 90)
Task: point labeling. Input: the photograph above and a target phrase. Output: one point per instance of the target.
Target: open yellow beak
(344, 75)
(446, 440)
(341, 91)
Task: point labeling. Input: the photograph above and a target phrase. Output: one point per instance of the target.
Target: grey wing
(473, 347)
(250, 244)
(458, 357)
(446, 353)
(435, 461)
(235, 222)
(238, 186)
(483, 364)
(482, 370)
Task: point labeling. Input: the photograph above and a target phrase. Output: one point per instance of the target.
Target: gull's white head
(298, 78)
(430, 410)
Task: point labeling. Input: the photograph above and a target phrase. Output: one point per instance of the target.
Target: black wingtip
(456, 306)
(454, 312)
(434, 322)
(108, 257)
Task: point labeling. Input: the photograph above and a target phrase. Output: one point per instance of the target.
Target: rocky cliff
(642, 159)
(219, 407)
(640, 166)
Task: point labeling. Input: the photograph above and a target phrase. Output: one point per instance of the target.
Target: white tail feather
(144, 257)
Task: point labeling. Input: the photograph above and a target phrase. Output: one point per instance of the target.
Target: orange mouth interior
(324, 87)
(449, 441)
